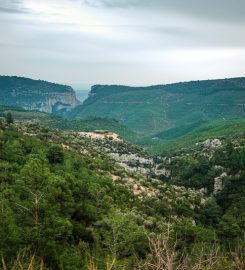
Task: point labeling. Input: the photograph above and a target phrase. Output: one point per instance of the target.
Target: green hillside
(186, 136)
(53, 121)
(150, 110)
(167, 141)
(66, 205)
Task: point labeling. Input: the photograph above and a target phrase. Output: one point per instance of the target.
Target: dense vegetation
(185, 136)
(54, 121)
(166, 141)
(66, 204)
(55, 204)
(159, 118)
(219, 172)
(150, 110)
(60, 208)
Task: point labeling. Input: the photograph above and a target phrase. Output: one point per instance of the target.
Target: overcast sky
(133, 42)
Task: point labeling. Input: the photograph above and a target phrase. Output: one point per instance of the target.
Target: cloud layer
(137, 42)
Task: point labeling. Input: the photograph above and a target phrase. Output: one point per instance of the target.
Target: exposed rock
(210, 143)
(101, 135)
(135, 163)
(141, 170)
(162, 171)
(131, 158)
(37, 95)
(218, 183)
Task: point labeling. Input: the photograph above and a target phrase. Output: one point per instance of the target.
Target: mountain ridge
(36, 94)
(174, 84)
(153, 109)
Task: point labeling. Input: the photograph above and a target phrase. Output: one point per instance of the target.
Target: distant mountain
(153, 109)
(36, 95)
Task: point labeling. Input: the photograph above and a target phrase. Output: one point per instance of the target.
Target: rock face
(133, 162)
(36, 95)
(136, 163)
(210, 143)
(218, 183)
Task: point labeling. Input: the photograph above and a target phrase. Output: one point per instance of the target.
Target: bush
(55, 154)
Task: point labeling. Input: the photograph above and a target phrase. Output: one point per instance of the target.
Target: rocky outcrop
(218, 183)
(131, 158)
(136, 163)
(101, 135)
(37, 95)
(133, 162)
(210, 143)
(50, 102)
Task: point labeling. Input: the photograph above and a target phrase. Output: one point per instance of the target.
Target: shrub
(55, 154)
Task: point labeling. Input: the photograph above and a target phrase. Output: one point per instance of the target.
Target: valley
(97, 190)
(122, 135)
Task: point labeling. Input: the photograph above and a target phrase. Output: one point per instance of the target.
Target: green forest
(60, 208)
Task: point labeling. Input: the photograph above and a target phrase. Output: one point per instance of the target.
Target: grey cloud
(12, 6)
(223, 10)
(139, 41)
(116, 3)
(12, 10)
(210, 9)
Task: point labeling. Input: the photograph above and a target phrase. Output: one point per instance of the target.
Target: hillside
(54, 121)
(36, 95)
(65, 203)
(167, 141)
(186, 136)
(150, 110)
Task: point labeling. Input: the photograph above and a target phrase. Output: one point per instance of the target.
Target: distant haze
(130, 42)
(82, 94)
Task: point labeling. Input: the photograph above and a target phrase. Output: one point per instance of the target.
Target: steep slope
(215, 166)
(65, 204)
(106, 134)
(149, 110)
(36, 94)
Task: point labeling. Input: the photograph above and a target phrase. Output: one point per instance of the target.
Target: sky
(129, 42)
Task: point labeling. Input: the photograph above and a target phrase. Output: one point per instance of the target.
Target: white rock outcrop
(210, 143)
(218, 183)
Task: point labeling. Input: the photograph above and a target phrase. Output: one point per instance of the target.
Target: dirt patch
(101, 135)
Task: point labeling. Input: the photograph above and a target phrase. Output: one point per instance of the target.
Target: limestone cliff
(36, 95)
